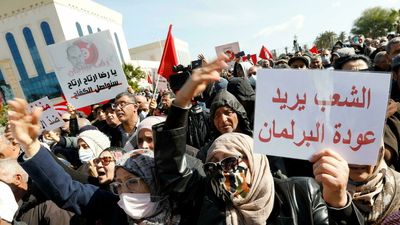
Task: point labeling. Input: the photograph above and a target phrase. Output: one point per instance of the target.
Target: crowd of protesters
(185, 156)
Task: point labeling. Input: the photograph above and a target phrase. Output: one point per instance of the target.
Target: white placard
(50, 118)
(88, 69)
(299, 112)
(230, 50)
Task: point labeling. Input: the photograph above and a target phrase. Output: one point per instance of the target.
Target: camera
(181, 74)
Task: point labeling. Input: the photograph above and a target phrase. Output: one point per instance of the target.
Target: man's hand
(25, 126)
(198, 81)
(71, 110)
(391, 108)
(332, 171)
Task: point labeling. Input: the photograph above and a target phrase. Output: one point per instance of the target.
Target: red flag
(314, 50)
(253, 59)
(169, 58)
(149, 78)
(265, 53)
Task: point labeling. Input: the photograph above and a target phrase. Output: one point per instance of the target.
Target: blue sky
(204, 24)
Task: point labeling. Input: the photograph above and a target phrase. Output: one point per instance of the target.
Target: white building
(153, 51)
(27, 26)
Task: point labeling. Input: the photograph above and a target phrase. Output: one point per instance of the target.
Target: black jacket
(297, 200)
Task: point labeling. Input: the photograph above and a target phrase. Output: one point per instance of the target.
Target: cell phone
(239, 54)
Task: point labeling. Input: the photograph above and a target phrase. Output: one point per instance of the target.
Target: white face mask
(137, 205)
(144, 114)
(48, 142)
(85, 155)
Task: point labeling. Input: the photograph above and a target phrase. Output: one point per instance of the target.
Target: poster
(88, 69)
(50, 118)
(301, 112)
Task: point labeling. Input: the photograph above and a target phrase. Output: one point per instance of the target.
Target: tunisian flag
(168, 59)
(265, 53)
(314, 50)
(149, 78)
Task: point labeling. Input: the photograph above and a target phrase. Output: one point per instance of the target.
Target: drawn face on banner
(82, 54)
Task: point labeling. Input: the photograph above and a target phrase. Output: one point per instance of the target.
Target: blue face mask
(85, 155)
(325, 60)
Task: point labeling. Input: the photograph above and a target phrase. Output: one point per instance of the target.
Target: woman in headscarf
(105, 165)
(238, 187)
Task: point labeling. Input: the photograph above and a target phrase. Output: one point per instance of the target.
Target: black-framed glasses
(104, 160)
(132, 185)
(121, 105)
(226, 165)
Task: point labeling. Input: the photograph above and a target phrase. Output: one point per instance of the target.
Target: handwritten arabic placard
(301, 112)
(88, 69)
(50, 118)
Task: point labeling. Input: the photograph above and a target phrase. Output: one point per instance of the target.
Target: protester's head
(326, 57)
(299, 62)
(105, 164)
(98, 112)
(396, 68)
(145, 132)
(228, 115)
(393, 47)
(238, 175)
(143, 105)
(381, 61)
(316, 62)
(135, 178)
(65, 128)
(353, 63)
(91, 144)
(12, 174)
(8, 205)
(111, 118)
(125, 107)
(241, 69)
(8, 150)
(166, 99)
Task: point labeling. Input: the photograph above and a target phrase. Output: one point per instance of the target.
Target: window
(34, 51)
(79, 29)
(119, 47)
(16, 56)
(48, 36)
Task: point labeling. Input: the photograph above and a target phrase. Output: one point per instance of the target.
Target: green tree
(326, 40)
(3, 115)
(133, 75)
(375, 22)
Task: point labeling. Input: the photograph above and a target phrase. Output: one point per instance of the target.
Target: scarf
(257, 205)
(378, 196)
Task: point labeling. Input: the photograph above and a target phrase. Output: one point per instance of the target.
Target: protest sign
(301, 112)
(88, 69)
(50, 118)
(230, 50)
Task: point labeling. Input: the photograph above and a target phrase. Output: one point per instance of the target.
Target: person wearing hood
(238, 187)
(91, 144)
(105, 165)
(241, 69)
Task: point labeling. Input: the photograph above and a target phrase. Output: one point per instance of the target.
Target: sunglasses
(226, 165)
(132, 185)
(104, 160)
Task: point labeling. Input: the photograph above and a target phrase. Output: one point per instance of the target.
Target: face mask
(136, 205)
(143, 114)
(325, 60)
(48, 142)
(233, 184)
(85, 155)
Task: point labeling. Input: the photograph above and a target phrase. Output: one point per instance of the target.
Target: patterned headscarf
(256, 207)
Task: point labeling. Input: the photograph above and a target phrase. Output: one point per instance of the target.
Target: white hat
(8, 205)
(96, 140)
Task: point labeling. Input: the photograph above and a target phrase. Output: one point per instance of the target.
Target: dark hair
(125, 93)
(169, 93)
(339, 63)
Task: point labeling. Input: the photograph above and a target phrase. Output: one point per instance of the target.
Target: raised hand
(332, 171)
(199, 79)
(24, 125)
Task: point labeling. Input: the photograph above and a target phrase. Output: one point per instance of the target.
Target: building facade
(28, 26)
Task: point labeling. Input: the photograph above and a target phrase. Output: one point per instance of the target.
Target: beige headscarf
(256, 207)
(379, 196)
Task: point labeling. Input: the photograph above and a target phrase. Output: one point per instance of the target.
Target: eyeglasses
(226, 165)
(121, 105)
(104, 160)
(132, 184)
(66, 120)
(253, 73)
